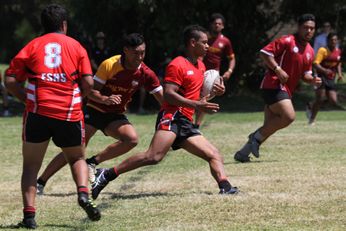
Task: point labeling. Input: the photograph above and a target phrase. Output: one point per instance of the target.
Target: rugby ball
(210, 76)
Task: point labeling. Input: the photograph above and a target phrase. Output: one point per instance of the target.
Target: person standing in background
(219, 47)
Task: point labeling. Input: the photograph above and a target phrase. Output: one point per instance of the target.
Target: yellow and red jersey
(218, 47)
(328, 59)
(53, 64)
(295, 59)
(117, 80)
(189, 78)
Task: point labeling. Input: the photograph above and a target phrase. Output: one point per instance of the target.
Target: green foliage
(250, 24)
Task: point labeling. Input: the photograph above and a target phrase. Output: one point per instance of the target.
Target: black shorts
(101, 120)
(328, 84)
(177, 123)
(38, 128)
(271, 96)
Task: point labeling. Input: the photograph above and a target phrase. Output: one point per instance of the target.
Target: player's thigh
(284, 108)
(161, 143)
(320, 93)
(201, 147)
(332, 96)
(33, 153)
(122, 130)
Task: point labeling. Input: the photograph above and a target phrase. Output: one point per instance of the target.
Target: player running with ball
(174, 127)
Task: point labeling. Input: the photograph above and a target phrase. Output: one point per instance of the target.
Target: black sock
(92, 160)
(41, 182)
(110, 174)
(224, 184)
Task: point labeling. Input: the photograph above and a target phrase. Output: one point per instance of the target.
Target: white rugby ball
(210, 76)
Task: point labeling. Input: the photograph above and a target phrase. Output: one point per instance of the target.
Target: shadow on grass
(59, 194)
(49, 226)
(121, 196)
(256, 161)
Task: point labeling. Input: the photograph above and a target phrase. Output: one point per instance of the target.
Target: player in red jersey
(219, 47)
(58, 72)
(116, 80)
(288, 59)
(182, 84)
(327, 64)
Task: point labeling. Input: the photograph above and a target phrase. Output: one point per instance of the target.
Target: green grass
(297, 184)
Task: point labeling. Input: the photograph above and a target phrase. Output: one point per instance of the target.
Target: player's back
(54, 64)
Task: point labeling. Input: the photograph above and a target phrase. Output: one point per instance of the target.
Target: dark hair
(215, 16)
(133, 40)
(192, 31)
(52, 17)
(331, 35)
(304, 18)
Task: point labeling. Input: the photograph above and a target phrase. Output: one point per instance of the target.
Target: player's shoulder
(287, 38)
(147, 70)
(224, 38)
(113, 60)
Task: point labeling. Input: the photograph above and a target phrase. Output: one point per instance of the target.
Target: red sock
(83, 189)
(29, 212)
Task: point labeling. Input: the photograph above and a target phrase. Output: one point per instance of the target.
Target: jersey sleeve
(17, 66)
(152, 82)
(102, 73)
(173, 74)
(229, 50)
(84, 65)
(276, 47)
(321, 55)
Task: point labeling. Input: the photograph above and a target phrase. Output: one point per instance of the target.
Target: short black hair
(133, 40)
(331, 35)
(52, 18)
(304, 18)
(192, 31)
(215, 16)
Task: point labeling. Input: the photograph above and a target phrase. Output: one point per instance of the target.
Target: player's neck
(301, 41)
(191, 59)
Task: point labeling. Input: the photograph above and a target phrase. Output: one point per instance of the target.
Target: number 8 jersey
(53, 64)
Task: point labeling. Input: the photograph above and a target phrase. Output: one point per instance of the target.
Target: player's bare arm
(308, 78)
(273, 65)
(15, 88)
(98, 97)
(323, 70)
(87, 84)
(340, 75)
(171, 96)
(230, 69)
(159, 96)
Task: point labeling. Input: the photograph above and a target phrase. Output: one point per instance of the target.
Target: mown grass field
(297, 184)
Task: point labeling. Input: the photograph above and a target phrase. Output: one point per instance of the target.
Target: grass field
(297, 184)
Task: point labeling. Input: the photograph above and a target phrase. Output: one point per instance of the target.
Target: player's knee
(131, 141)
(154, 158)
(288, 119)
(215, 155)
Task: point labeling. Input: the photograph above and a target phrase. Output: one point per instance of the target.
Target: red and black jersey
(117, 80)
(295, 59)
(189, 78)
(53, 64)
(218, 47)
